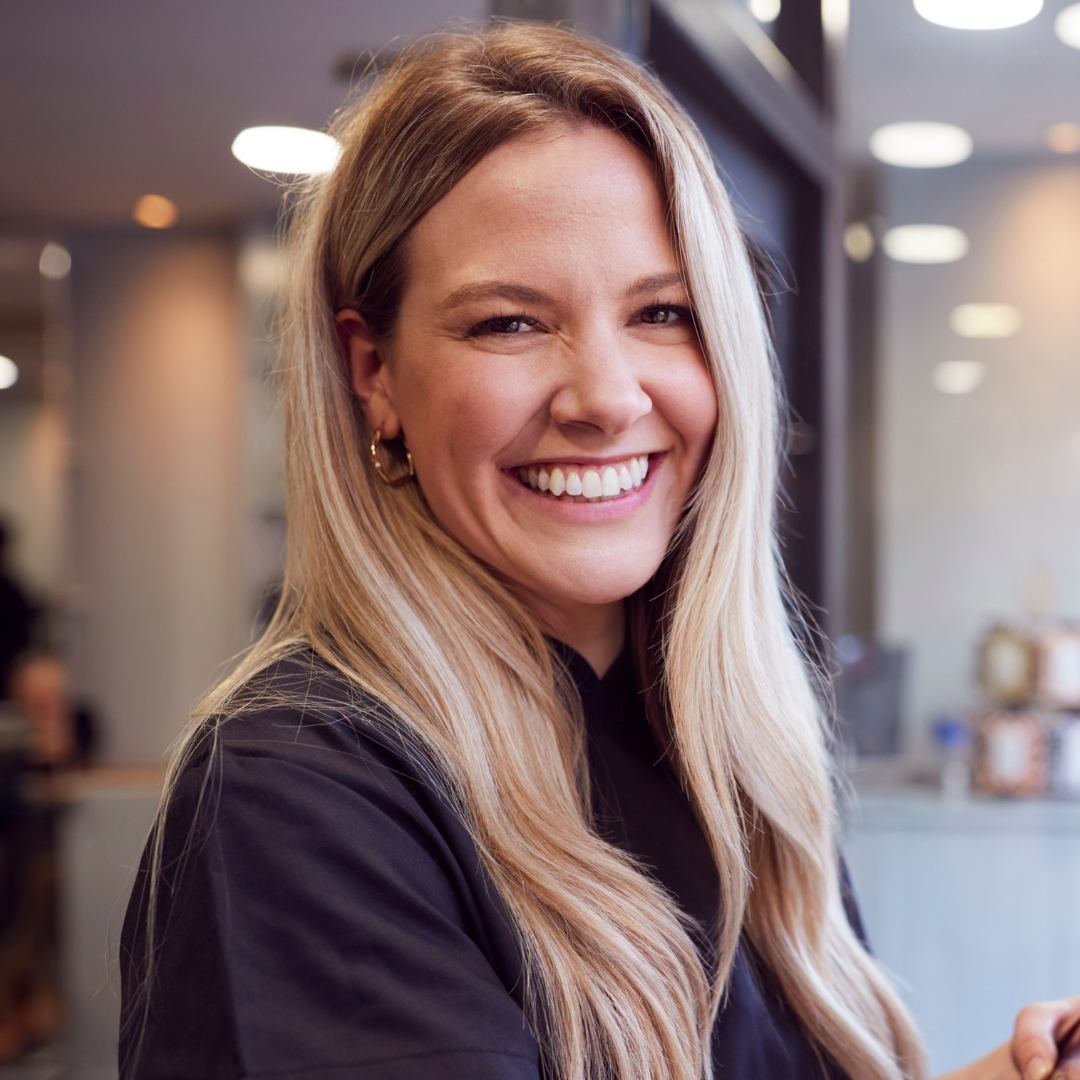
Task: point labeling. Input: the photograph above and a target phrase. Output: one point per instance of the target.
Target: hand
(1034, 1051)
(1036, 1044)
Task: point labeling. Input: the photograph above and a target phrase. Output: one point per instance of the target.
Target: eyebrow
(507, 290)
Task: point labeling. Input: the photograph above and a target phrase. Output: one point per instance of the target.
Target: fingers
(1035, 1042)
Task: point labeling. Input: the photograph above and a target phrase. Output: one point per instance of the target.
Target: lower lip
(586, 511)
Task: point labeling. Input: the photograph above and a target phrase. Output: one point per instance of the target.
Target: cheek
(691, 407)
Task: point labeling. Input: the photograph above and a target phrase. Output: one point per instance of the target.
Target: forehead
(578, 194)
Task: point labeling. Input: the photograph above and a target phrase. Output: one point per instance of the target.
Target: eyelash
(488, 326)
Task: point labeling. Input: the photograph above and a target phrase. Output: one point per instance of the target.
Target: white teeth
(591, 484)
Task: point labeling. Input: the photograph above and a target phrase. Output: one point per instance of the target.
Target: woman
(527, 774)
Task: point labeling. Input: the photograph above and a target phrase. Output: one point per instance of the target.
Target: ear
(368, 373)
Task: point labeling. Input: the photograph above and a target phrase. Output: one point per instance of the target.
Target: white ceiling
(102, 102)
(1004, 86)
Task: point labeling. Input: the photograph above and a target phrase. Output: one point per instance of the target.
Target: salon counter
(973, 905)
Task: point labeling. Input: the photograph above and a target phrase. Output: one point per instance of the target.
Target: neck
(594, 631)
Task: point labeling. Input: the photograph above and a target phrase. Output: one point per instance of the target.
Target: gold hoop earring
(398, 480)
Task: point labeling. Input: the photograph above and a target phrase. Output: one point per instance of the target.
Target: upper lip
(583, 459)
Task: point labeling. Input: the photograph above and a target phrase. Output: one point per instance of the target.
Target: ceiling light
(55, 262)
(921, 144)
(858, 241)
(1067, 25)
(985, 320)
(1063, 138)
(925, 243)
(958, 376)
(9, 373)
(765, 10)
(155, 212)
(286, 150)
(978, 14)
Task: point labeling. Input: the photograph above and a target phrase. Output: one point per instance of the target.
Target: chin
(596, 585)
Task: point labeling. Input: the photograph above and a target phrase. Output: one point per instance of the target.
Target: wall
(979, 495)
(156, 529)
(33, 462)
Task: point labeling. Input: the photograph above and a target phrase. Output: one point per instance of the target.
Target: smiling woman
(527, 776)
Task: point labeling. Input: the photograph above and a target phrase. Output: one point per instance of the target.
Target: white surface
(972, 906)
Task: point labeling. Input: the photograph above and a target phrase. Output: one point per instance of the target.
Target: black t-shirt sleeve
(319, 921)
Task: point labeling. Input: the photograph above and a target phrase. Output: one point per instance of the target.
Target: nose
(600, 391)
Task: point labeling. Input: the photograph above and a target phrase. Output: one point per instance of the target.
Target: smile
(586, 483)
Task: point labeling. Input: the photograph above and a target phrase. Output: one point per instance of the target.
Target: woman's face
(544, 368)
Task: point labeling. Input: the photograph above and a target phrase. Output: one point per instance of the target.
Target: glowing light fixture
(155, 212)
(985, 320)
(765, 10)
(55, 262)
(921, 144)
(958, 376)
(978, 14)
(858, 241)
(9, 373)
(1063, 138)
(925, 243)
(1067, 25)
(286, 150)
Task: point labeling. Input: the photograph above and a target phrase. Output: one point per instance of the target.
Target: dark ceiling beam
(745, 59)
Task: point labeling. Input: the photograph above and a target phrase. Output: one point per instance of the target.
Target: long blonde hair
(372, 581)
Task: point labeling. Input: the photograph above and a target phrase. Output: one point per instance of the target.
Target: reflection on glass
(925, 243)
(858, 241)
(765, 11)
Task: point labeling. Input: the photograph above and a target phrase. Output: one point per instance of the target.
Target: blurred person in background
(17, 614)
(527, 776)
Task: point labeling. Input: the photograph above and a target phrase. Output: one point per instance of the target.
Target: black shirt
(324, 914)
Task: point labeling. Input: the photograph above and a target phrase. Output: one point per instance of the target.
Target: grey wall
(156, 519)
(979, 495)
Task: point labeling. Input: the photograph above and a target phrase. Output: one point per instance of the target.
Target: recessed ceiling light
(985, 320)
(858, 241)
(1063, 138)
(925, 243)
(978, 14)
(9, 373)
(921, 144)
(55, 262)
(286, 150)
(958, 376)
(155, 212)
(765, 10)
(1067, 25)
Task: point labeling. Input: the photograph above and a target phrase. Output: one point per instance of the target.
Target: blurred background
(908, 174)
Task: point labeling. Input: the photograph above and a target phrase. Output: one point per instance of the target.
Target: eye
(666, 315)
(503, 326)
